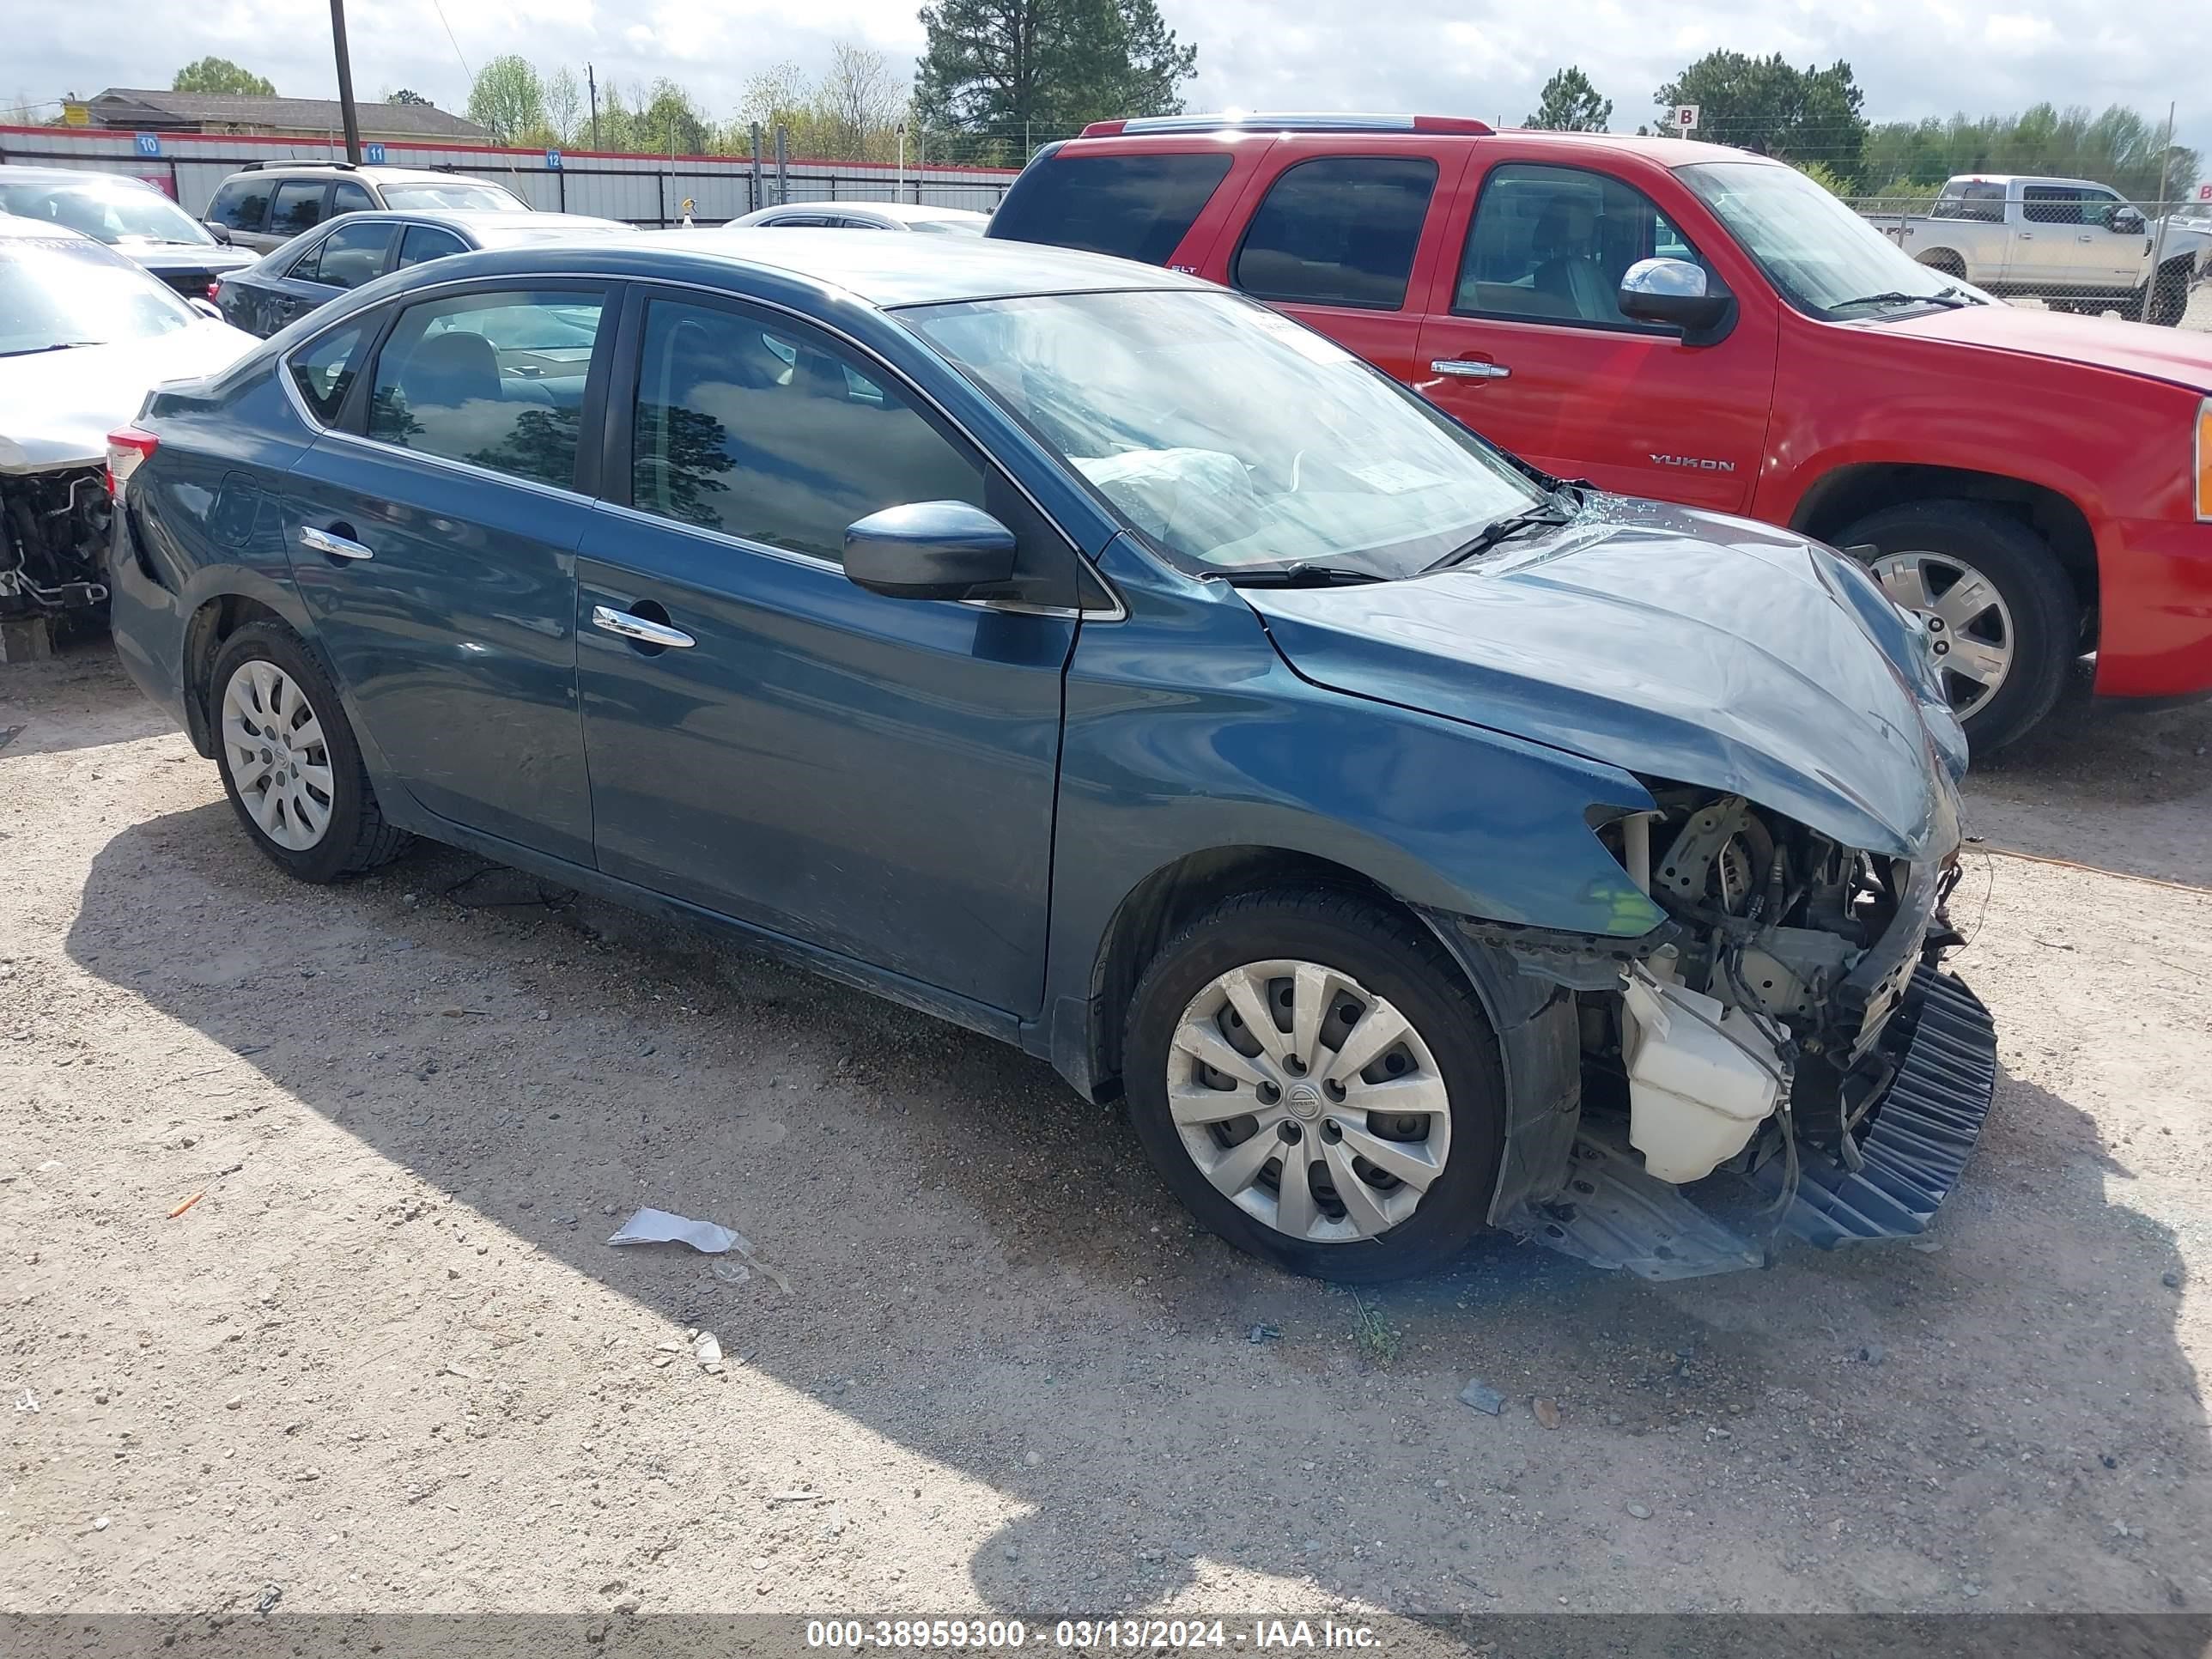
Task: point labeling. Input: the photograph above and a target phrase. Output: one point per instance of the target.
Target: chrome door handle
(639, 628)
(2084, 239)
(337, 547)
(1463, 370)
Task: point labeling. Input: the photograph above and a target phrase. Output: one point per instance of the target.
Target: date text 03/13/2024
(1087, 1635)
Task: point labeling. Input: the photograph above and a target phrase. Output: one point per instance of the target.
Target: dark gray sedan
(311, 271)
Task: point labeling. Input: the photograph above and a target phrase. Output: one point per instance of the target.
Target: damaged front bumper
(1905, 1158)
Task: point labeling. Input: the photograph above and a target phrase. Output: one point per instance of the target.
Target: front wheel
(1314, 1078)
(2003, 617)
(2169, 296)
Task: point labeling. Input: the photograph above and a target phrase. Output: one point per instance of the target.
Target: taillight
(215, 289)
(2203, 459)
(127, 447)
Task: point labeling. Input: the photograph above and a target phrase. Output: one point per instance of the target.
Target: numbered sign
(149, 144)
(553, 160)
(373, 154)
(1686, 117)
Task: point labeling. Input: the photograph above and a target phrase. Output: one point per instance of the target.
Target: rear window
(1138, 207)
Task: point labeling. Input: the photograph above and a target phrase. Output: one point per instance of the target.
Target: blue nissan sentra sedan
(1094, 658)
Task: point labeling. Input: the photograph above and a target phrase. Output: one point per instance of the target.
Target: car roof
(490, 227)
(375, 175)
(20, 172)
(905, 210)
(884, 267)
(1378, 139)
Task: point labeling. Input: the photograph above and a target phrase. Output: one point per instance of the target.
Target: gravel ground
(388, 1361)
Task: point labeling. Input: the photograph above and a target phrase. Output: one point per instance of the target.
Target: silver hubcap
(278, 755)
(1967, 622)
(1308, 1100)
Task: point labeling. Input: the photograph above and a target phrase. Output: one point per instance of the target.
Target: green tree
(1769, 105)
(2119, 147)
(1011, 69)
(1571, 104)
(508, 100)
(219, 74)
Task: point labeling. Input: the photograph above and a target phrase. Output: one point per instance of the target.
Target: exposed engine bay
(1785, 1026)
(53, 543)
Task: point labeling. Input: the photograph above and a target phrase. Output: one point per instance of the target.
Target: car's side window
(2050, 204)
(768, 431)
(1984, 204)
(1551, 245)
(350, 256)
(2098, 206)
(1337, 231)
(298, 207)
(241, 204)
(325, 369)
(423, 242)
(494, 379)
(349, 198)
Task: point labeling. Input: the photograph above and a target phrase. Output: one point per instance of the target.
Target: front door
(873, 776)
(1530, 348)
(435, 544)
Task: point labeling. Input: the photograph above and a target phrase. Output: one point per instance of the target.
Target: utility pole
(591, 82)
(345, 83)
(2158, 241)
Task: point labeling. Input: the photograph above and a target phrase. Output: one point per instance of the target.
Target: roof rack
(1246, 120)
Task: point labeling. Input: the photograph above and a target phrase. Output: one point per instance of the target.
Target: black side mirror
(2126, 222)
(929, 550)
(1672, 292)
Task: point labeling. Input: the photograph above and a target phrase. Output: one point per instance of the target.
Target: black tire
(1393, 958)
(1944, 260)
(357, 837)
(2046, 618)
(2169, 298)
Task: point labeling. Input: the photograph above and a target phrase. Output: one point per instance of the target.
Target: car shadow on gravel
(983, 1269)
(2101, 784)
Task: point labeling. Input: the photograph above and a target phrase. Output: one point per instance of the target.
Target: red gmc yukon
(1707, 326)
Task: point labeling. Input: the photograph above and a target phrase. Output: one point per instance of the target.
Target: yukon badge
(1694, 462)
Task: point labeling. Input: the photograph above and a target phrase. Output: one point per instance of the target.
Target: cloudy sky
(1485, 58)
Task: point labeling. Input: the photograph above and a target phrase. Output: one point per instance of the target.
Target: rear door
(873, 776)
(1346, 240)
(434, 527)
(1528, 345)
(342, 257)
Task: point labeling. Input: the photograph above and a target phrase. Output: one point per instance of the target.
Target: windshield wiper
(1949, 297)
(1499, 529)
(58, 345)
(1298, 574)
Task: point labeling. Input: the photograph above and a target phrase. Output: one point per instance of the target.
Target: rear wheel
(2003, 617)
(1313, 1078)
(289, 760)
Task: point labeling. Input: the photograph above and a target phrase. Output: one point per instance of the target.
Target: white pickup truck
(2074, 244)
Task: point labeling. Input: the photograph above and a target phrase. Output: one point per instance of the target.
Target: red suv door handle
(1463, 368)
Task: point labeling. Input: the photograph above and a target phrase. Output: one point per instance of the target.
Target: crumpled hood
(57, 407)
(1671, 643)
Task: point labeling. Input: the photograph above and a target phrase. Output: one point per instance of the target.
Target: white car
(865, 215)
(84, 334)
